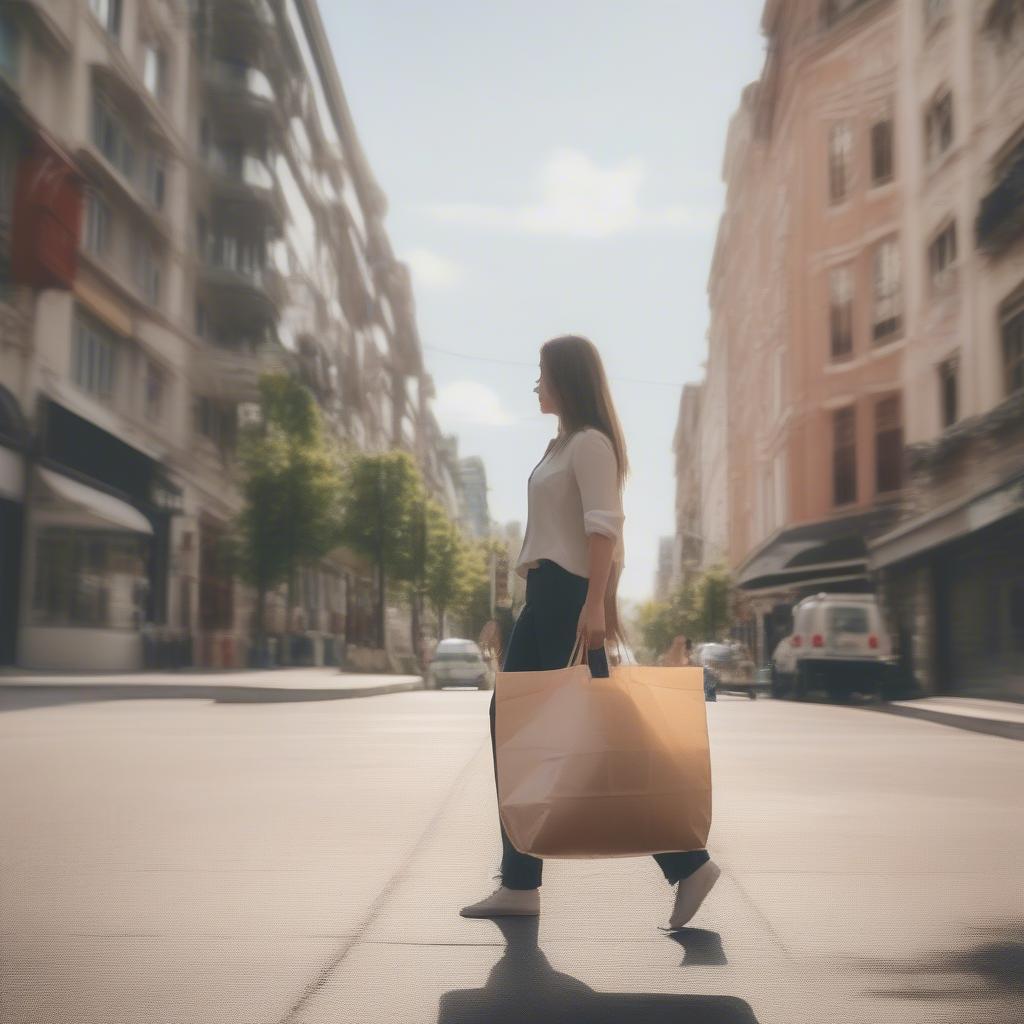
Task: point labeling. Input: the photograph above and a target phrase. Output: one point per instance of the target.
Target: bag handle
(580, 652)
(576, 658)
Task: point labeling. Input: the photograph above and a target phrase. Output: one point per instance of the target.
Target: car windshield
(456, 654)
(849, 619)
(716, 652)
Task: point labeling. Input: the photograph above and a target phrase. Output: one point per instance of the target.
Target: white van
(838, 643)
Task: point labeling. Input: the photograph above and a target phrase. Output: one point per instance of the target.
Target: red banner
(47, 219)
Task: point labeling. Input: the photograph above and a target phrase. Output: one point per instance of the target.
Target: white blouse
(572, 492)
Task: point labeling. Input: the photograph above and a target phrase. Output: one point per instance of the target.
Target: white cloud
(469, 403)
(433, 271)
(580, 199)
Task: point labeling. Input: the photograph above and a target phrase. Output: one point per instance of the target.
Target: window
(156, 180)
(91, 578)
(97, 225)
(840, 150)
(217, 421)
(8, 49)
(833, 11)
(942, 256)
(888, 297)
(1013, 349)
(8, 175)
(844, 456)
(94, 357)
(155, 389)
(948, 391)
(840, 312)
(938, 126)
(108, 13)
(882, 151)
(934, 12)
(111, 138)
(154, 70)
(888, 445)
(146, 268)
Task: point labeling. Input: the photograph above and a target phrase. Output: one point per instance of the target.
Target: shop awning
(813, 552)
(948, 523)
(87, 503)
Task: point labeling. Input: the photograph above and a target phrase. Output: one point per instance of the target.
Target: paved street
(189, 858)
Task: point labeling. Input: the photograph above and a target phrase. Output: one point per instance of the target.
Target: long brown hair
(574, 372)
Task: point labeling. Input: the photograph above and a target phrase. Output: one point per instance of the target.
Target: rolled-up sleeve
(596, 471)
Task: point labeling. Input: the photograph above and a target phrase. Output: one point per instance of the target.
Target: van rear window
(848, 620)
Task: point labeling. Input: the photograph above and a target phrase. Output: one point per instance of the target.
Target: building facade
(688, 550)
(808, 304)
(476, 516)
(230, 226)
(952, 569)
(866, 326)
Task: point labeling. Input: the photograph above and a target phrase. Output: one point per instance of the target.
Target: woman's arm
(592, 618)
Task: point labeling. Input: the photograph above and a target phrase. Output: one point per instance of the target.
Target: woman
(571, 558)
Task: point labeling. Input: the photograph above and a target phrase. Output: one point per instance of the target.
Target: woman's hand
(591, 625)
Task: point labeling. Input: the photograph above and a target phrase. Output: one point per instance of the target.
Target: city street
(179, 860)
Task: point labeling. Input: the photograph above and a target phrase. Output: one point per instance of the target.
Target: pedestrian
(571, 558)
(678, 653)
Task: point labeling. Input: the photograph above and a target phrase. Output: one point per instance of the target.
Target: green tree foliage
(292, 488)
(699, 611)
(384, 493)
(474, 605)
(445, 564)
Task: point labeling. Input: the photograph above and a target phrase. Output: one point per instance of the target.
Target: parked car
(458, 662)
(838, 644)
(726, 669)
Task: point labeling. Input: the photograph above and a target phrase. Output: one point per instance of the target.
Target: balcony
(234, 374)
(242, 96)
(1001, 217)
(243, 27)
(239, 179)
(245, 293)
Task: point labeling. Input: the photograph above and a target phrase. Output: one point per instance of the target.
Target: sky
(553, 168)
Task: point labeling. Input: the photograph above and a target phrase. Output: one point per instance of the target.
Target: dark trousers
(542, 639)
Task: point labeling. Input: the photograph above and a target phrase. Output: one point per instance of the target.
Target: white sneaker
(692, 892)
(506, 903)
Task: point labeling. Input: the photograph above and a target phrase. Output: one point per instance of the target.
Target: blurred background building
(475, 514)
(861, 424)
(184, 205)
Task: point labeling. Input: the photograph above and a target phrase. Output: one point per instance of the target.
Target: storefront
(96, 549)
(830, 556)
(952, 578)
(14, 440)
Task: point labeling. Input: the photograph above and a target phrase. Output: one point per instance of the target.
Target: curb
(210, 691)
(970, 723)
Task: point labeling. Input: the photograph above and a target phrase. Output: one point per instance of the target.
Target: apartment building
(476, 516)
(865, 338)
(808, 320)
(952, 569)
(689, 543)
(222, 221)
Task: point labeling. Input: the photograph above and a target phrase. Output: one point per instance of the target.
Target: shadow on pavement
(703, 948)
(989, 970)
(27, 695)
(523, 986)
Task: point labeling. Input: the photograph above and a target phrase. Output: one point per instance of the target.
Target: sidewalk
(994, 717)
(326, 683)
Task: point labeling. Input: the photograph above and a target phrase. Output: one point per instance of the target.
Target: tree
(379, 519)
(474, 606)
(445, 564)
(292, 488)
(699, 611)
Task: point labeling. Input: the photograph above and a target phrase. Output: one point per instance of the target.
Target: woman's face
(544, 393)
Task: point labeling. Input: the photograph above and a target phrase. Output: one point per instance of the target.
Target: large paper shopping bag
(603, 767)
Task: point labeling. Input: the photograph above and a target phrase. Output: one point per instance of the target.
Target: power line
(515, 362)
